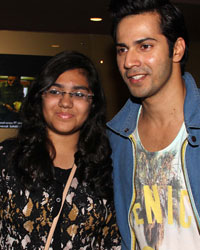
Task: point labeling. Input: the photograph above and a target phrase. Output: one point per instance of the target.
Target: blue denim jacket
(120, 129)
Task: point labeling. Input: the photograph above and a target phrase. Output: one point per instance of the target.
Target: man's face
(11, 80)
(143, 54)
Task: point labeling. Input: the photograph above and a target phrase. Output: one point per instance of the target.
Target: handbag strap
(53, 226)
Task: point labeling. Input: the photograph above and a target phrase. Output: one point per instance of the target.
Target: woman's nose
(65, 100)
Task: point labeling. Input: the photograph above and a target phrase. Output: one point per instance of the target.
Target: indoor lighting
(96, 19)
(55, 45)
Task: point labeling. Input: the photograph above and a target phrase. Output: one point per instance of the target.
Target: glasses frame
(60, 94)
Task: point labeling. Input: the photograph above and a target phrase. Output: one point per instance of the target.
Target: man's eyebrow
(136, 42)
(144, 40)
(121, 45)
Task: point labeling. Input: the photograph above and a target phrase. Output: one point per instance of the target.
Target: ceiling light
(96, 19)
(55, 45)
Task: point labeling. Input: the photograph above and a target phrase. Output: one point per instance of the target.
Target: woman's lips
(64, 115)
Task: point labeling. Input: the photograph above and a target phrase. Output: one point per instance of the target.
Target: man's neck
(165, 106)
(161, 118)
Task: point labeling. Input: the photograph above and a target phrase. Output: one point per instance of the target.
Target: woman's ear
(179, 50)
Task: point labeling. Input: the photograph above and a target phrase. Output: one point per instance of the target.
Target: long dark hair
(172, 21)
(32, 159)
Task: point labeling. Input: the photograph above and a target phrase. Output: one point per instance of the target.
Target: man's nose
(132, 59)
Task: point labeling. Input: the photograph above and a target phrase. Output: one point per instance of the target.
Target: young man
(156, 136)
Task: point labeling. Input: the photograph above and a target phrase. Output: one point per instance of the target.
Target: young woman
(63, 123)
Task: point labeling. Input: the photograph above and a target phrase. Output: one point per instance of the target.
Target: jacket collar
(192, 110)
(124, 122)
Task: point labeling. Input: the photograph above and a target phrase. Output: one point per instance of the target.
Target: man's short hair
(172, 21)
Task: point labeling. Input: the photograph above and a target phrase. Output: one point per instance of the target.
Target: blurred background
(45, 28)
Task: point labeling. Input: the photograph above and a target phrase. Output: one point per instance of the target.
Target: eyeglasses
(76, 95)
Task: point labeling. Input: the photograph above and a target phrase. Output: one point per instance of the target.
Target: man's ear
(179, 50)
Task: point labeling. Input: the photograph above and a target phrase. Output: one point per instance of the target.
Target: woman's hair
(34, 154)
(172, 21)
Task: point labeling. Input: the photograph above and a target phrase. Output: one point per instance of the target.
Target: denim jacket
(121, 128)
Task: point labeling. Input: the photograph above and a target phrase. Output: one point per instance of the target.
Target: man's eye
(78, 94)
(54, 92)
(146, 46)
(121, 50)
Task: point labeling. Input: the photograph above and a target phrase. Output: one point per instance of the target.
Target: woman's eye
(78, 94)
(54, 92)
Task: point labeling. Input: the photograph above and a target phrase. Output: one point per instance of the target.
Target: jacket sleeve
(110, 238)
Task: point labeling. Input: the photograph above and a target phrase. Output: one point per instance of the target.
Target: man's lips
(136, 78)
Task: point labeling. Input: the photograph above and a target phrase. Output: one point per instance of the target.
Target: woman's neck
(65, 147)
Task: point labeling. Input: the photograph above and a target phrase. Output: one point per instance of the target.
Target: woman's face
(66, 104)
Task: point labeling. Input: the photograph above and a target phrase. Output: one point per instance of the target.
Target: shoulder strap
(53, 226)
